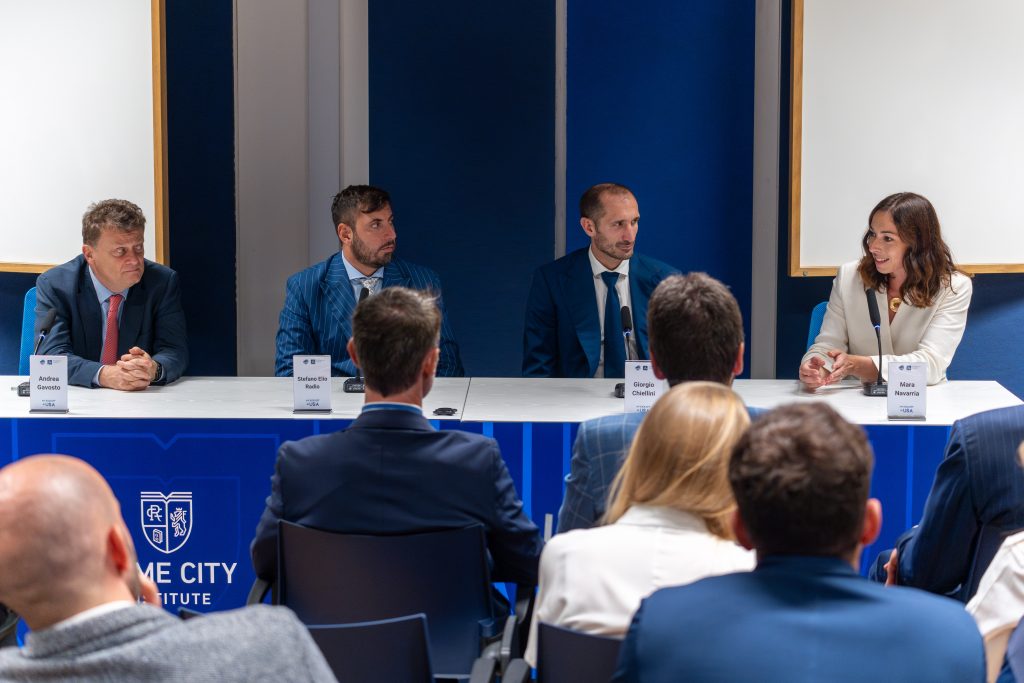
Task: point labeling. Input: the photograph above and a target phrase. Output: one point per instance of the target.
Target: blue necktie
(614, 346)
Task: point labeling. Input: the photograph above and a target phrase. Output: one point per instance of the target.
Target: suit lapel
(640, 277)
(337, 292)
(394, 276)
(90, 313)
(131, 319)
(578, 283)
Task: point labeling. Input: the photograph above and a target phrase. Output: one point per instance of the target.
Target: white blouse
(592, 580)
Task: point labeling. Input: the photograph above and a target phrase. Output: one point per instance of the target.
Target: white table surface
(480, 399)
(494, 399)
(257, 398)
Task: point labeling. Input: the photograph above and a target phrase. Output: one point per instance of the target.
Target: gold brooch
(894, 303)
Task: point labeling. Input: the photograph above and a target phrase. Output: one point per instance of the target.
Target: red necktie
(109, 356)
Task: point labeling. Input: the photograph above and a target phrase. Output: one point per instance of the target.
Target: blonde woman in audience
(667, 522)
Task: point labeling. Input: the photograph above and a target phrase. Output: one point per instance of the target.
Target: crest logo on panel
(166, 519)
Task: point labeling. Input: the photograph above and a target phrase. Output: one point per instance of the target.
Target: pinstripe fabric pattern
(317, 315)
(597, 455)
(979, 483)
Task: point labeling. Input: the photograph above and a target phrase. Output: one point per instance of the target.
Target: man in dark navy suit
(319, 301)
(119, 317)
(696, 333)
(391, 471)
(573, 321)
(979, 487)
(801, 476)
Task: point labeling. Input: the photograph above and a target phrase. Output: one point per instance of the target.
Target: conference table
(191, 462)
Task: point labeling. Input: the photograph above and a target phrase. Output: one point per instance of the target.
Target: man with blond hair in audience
(70, 572)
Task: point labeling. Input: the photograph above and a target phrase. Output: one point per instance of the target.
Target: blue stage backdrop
(462, 135)
(661, 98)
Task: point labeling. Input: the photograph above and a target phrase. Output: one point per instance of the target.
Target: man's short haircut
(591, 203)
(356, 199)
(801, 476)
(119, 214)
(393, 332)
(694, 328)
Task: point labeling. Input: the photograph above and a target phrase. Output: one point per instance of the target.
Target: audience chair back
(331, 578)
(567, 656)
(8, 628)
(990, 539)
(28, 327)
(817, 317)
(374, 651)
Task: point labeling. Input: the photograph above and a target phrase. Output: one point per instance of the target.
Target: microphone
(627, 330)
(357, 385)
(627, 334)
(880, 387)
(43, 328)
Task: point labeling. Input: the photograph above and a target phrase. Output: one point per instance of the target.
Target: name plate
(311, 384)
(642, 387)
(48, 384)
(908, 389)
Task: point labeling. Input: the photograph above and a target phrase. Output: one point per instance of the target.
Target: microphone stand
(357, 385)
(879, 387)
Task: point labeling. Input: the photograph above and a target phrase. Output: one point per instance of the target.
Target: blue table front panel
(196, 544)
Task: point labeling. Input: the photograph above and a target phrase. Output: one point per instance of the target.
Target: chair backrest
(567, 656)
(8, 628)
(817, 317)
(331, 578)
(374, 651)
(990, 538)
(28, 326)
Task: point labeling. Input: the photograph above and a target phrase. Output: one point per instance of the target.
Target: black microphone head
(363, 294)
(627, 319)
(876, 319)
(45, 321)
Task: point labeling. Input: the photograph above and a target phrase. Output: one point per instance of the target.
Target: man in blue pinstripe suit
(979, 486)
(696, 333)
(319, 301)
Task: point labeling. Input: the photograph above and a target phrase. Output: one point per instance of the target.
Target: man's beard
(370, 258)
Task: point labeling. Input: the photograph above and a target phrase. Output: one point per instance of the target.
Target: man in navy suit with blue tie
(319, 301)
(119, 317)
(801, 476)
(574, 326)
(390, 471)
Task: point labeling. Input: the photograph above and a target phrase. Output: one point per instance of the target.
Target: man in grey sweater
(70, 571)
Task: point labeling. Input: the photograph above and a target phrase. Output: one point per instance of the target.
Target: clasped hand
(135, 371)
(814, 374)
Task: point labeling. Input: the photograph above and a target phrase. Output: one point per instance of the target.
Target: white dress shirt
(592, 580)
(601, 294)
(999, 603)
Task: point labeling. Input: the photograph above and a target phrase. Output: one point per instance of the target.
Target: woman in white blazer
(667, 520)
(921, 295)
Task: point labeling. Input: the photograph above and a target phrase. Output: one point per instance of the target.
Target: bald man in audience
(70, 571)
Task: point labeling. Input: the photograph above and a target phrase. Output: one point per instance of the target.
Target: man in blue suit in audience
(119, 317)
(801, 476)
(390, 471)
(317, 314)
(979, 486)
(573, 325)
(696, 333)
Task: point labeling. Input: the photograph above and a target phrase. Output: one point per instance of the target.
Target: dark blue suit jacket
(800, 619)
(317, 315)
(979, 483)
(151, 318)
(597, 454)
(391, 472)
(562, 335)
